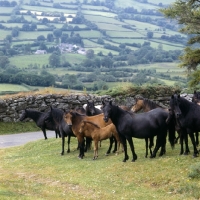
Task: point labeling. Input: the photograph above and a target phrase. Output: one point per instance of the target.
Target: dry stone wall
(11, 108)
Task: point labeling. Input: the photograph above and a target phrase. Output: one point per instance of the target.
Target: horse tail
(171, 133)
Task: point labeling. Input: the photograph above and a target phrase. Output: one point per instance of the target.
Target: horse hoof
(124, 160)
(62, 154)
(135, 157)
(132, 160)
(68, 151)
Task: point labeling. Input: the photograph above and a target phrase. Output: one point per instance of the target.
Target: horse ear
(110, 102)
(179, 96)
(103, 103)
(195, 92)
(172, 96)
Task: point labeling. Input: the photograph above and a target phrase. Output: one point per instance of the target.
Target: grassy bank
(19, 127)
(38, 171)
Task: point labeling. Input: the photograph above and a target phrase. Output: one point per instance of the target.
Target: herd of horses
(120, 124)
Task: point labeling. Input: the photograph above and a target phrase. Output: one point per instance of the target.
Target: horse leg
(197, 138)
(151, 144)
(146, 144)
(181, 142)
(44, 132)
(110, 146)
(158, 144)
(185, 137)
(63, 143)
(196, 152)
(115, 148)
(123, 140)
(95, 150)
(68, 142)
(130, 141)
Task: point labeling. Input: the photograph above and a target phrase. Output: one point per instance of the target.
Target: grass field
(4, 33)
(37, 171)
(24, 61)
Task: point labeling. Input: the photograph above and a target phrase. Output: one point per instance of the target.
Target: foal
(89, 129)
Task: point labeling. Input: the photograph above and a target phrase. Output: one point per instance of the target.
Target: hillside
(129, 36)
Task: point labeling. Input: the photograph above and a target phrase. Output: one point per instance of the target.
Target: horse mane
(57, 113)
(91, 123)
(152, 105)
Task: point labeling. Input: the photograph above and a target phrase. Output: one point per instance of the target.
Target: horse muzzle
(105, 119)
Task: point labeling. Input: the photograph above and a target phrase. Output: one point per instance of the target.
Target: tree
(50, 37)
(90, 53)
(41, 38)
(57, 33)
(3, 61)
(149, 34)
(187, 14)
(54, 59)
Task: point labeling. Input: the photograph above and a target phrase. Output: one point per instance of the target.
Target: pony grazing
(143, 125)
(41, 120)
(89, 129)
(187, 117)
(57, 115)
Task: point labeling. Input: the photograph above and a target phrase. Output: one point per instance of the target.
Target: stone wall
(11, 108)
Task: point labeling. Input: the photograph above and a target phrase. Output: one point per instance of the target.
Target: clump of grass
(194, 171)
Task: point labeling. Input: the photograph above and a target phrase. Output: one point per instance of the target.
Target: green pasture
(104, 51)
(32, 34)
(163, 2)
(4, 18)
(57, 25)
(87, 34)
(30, 18)
(6, 10)
(99, 13)
(4, 33)
(90, 7)
(47, 9)
(12, 25)
(13, 87)
(134, 3)
(89, 43)
(36, 170)
(111, 27)
(103, 19)
(124, 34)
(25, 60)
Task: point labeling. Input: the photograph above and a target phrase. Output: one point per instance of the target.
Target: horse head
(138, 105)
(174, 105)
(107, 108)
(68, 115)
(196, 97)
(90, 107)
(23, 115)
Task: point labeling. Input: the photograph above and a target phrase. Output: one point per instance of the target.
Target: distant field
(95, 7)
(24, 61)
(106, 14)
(104, 51)
(4, 33)
(6, 10)
(135, 4)
(112, 27)
(12, 87)
(131, 34)
(163, 2)
(88, 43)
(32, 35)
(96, 18)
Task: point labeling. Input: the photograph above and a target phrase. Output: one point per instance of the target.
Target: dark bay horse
(187, 117)
(65, 131)
(41, 120)
(74, 120)
(143, 125)
(146, 105)
(91, 110)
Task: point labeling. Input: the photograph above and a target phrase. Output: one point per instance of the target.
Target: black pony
(65, 130)
(143, 125)
(91, 110)
(187, 118)
(41, 120)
